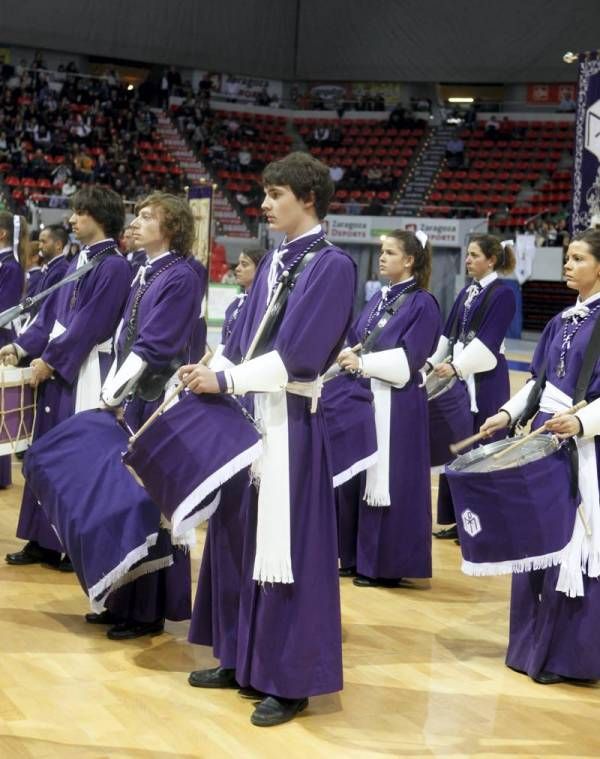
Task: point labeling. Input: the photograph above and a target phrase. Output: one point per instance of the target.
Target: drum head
(436, 386)
(483, 460)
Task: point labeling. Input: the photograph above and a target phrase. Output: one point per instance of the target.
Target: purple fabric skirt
(106, 522)
(347, 403)
(189, 452)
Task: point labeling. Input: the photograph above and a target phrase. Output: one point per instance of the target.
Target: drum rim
(475, 455)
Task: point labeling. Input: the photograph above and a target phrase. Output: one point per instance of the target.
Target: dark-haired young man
(289, 631)
(70, 342)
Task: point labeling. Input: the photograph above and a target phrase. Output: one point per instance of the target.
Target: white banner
(447, 232)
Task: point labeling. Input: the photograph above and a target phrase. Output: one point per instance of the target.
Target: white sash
(89, 379)
(377, 487)
(470, 381)
(582, 554)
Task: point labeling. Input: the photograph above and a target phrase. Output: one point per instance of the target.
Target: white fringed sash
(377, 488)
(582, 554)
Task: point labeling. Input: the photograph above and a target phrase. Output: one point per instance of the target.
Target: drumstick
(462, 444)
(535, 433)
(168, 400)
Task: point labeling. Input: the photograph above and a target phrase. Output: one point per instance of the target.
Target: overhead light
(130, 87)
(570, 57)
(461, 100)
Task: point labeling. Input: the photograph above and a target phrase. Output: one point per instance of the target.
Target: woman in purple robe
(216, 606)
(13, 238)
(289, 628)
(70, 342)
(555, 613)
(398, 328)
(471, 350)
(153, 340)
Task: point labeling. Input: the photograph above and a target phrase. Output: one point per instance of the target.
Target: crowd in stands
(60, 131)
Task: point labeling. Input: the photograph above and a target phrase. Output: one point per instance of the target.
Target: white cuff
(264, 374)
(476, 357)
(218, 361)
(390, 366)
(120, 382)
(589, 416)
(442, 350)
(516, 405)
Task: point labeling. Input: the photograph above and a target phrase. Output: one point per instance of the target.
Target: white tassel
(515, 566)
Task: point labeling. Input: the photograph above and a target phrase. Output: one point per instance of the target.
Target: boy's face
(147, 232)
(85, 227)
(284, 211)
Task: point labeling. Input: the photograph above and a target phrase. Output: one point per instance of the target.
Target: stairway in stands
(228, 221)
(424, 170)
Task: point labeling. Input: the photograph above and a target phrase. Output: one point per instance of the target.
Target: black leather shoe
(133, 629)
(375, 582)
(448, 533)
(251, 693)
(347, 572)
(273, 710)
(104, 618)
(65, 564)
(33, 553)
(217, 677)
(548, 678)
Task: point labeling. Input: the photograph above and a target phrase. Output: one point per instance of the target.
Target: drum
(105, 520)
(347, 404)
(17, 409)
(450, 420)
(514, 513)
(192, 449)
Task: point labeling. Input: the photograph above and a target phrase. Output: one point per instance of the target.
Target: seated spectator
(244, 158)
(492, 128)
(320, 134)
(567, 104)
(455, 152)
(336, 172)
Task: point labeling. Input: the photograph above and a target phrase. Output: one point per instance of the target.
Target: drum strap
(590, 358)
(480, 313)
(277, 309)
(387, 315)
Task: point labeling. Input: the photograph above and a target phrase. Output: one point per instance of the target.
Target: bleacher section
(511, 176)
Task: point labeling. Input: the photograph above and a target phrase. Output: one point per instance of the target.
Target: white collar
(150, 261)
(5, 250)
(314, 231)
(93, 245)
(588, 301)
(34, 268)
(488, 279)
(56, 258)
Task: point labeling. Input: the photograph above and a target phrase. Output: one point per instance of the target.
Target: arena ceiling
(387, 40)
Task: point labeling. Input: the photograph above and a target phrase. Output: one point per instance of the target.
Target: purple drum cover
(515, 519)
(347, 404)
(16, 417)
(450, 420)
(189, 452)
(106, 522)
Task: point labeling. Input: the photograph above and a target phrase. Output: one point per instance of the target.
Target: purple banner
(586, 171)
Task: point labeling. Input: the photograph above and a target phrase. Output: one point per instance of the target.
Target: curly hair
(176, 221)
(306, 176)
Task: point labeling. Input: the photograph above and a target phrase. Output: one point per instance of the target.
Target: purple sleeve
(168, 328)
(35, 338)
(420, 337)
(500, 312)
(541, 350)
(316, 323)
(94, 322)
(11, 284)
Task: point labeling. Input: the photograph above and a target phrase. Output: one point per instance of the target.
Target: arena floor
(424, 676)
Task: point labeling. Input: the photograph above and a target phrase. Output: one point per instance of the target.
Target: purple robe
(395, 541)
(289, 635)
(548, 630)
(216, 606)
(33, 280)
(167, 316)
(136, 259)
(492, 388)
(91, 319)
(198, 343)
(11, 289)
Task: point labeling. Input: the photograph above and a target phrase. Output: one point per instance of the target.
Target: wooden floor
(424, 676)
